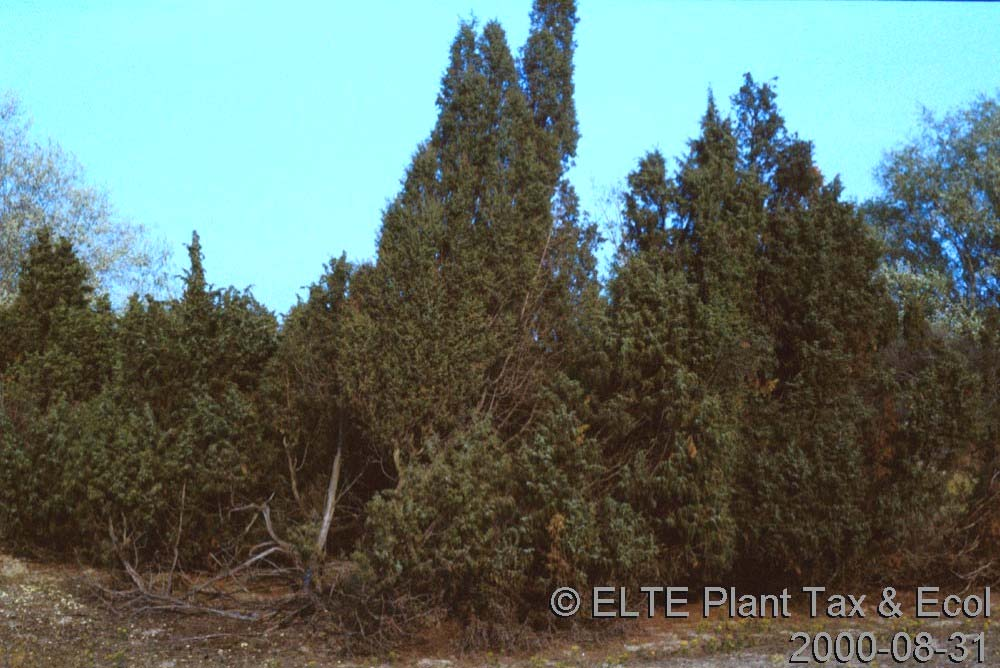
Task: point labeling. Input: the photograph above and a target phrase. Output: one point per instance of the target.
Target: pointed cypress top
(547, 67)
(194, 277)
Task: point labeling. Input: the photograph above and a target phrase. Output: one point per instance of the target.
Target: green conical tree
(56, 352)
(826, 314)
(683, 346)
(52, 278)
(472, 324)
(57, 332)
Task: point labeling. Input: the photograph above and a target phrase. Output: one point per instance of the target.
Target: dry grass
(50, 616)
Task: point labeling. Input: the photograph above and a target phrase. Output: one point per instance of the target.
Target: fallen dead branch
(144, 596)
(213, 594)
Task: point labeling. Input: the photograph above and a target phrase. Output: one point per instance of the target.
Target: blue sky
(280, 130)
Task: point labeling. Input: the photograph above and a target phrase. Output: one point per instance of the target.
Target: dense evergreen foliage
(117, 422)
(774, 385)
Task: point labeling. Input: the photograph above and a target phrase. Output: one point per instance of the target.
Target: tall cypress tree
(826, 314)
(474, 320)
(683, 345)
(747, 321)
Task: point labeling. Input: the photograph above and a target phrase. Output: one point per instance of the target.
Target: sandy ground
(50, 618)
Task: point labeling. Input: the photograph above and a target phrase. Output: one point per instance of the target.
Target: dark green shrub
(484, 531)
(134, 425)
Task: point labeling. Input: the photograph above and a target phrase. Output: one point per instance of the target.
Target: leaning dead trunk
(330, 506)
(319, 550)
